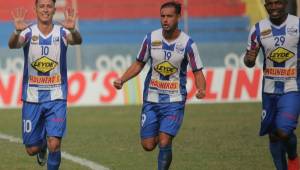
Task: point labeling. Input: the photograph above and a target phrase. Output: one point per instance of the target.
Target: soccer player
(278, 37)
(44, 90)
(169, 51)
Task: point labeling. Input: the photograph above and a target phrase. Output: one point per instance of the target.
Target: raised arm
(131, 72)
(70, 23)
(15, 40)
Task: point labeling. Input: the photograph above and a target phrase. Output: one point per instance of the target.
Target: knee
(282, 135)
(54, 144)
(148, 146)
(32, 150)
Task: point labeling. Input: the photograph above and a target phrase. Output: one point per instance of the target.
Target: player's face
(276, 8)
(45, 10)
(169, 19)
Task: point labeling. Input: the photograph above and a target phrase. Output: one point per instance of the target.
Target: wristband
(17, 32)
(73, 30)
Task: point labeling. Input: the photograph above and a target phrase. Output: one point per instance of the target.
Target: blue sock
(291, 146)
(164, 157)
(278, 155)
(54, 159)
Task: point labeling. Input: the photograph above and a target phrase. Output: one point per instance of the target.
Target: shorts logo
(143, 119)
(44, 64)
(263, 115)
(281, 55)
(165, 68)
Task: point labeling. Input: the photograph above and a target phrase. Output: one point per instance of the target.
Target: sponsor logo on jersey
(280, 72)
(292, 31)
(44, 64)
(164, 85)
(55, 39)
(165, 68)
(265, 32)
(179, 48)
(156, 43)
(280, 55)
(45, 80)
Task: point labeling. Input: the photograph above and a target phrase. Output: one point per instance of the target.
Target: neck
(171, 35)
(279, 21)
(45, 27)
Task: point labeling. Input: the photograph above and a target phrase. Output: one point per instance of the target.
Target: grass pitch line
(65, 155)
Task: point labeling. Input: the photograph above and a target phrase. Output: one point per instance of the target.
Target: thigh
(33, 130)
(171, 117)
(268, 113)
(149, 123)
(56, 118)
(288, 112)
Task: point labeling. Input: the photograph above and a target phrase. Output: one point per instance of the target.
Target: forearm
(132, 71)
(75, 37)
(200, 81)
(14, 41)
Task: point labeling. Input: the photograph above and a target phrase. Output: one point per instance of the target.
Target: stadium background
(112, 31)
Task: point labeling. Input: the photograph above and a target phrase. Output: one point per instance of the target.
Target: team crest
(35, 38)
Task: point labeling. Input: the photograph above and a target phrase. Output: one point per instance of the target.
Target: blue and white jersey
(280, 47)
(45, 67)
(167, 76)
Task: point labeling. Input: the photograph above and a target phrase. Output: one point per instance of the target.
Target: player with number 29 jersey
(281, 54)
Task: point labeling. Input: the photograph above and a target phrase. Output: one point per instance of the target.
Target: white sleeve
(252, 38)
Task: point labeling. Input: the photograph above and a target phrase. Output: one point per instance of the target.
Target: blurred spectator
(292, 7)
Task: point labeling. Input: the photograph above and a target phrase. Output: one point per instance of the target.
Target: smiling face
(45, 10)
(169, 18)
(276, 9)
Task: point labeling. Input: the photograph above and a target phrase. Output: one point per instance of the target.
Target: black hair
(36, 1)
(173, 4)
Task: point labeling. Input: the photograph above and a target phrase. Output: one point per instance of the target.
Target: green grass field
(213, 137)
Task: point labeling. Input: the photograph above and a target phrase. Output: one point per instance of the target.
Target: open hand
(18, 16)
(70, 19)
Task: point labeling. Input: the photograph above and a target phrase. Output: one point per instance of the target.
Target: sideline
(65, 155)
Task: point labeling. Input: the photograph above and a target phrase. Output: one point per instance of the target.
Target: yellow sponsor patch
(165, 68)
(280, 72)
(44, 64)
(281, 55)
(45, 80)
(164, 85)
(156, 43)
(265, 32)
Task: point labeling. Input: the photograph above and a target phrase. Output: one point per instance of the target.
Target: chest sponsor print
(44, 64)
(165, 68)
(281, 55)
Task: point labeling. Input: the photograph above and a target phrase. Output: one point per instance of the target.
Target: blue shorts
(43, 119)
(280, 112)
(156, 117)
